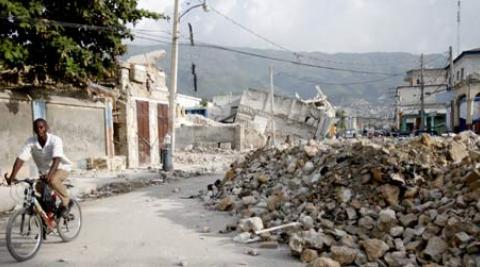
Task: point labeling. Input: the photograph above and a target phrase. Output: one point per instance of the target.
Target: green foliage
(65, 41)
(204, 103)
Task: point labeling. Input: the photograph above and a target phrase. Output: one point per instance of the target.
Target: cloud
(332, 26)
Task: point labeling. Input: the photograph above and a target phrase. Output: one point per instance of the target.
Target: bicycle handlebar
(27, 181)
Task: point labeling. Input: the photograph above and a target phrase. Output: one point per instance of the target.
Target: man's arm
(16, 167)
(57, 156)
(53, 168)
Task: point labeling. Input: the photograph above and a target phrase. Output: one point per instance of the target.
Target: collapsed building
(295, 118)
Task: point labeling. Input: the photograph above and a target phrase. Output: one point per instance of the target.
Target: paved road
(151, 227)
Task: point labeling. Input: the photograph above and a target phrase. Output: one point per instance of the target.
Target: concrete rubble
(122, 184)
(205, 160)
(386, 202)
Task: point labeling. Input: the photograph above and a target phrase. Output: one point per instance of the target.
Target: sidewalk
(85, 183)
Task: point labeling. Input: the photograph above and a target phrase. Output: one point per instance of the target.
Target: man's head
(40, 127)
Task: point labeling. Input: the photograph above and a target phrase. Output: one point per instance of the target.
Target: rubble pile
(125, 185)
(205, 160)
(391, 203)
(199, 120)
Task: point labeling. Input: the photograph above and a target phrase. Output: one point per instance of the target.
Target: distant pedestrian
(332, 132)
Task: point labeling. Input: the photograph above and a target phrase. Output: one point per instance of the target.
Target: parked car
(349, 134)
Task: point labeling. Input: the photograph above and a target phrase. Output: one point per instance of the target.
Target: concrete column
(238, 138)
(456, 113)
(132, 129)
(469, 112)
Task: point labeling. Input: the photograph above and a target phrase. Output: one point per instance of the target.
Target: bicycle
(29, 226)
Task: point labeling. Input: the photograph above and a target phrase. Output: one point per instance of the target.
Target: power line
(296, 54)
(340, 83)
(250, 31)
(218, 47)
(149, 32)
(152, 31)
(144, 34)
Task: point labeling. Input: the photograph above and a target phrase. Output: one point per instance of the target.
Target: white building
(408, 107)
(466, 99)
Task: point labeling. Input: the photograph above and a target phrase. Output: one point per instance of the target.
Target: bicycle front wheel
(24, 234)
(69, 226)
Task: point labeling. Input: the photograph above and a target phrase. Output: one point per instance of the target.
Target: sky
(330, 26)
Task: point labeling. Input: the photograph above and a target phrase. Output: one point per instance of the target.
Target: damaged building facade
(465, 104)
(436, 101)
(451, 96)
(293, 117)
(141, 116)
(84, 122)
(141, 112)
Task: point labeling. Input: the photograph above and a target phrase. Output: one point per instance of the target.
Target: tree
(65, 41)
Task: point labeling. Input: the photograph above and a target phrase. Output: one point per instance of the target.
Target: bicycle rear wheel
(69, 226)
(24, 235)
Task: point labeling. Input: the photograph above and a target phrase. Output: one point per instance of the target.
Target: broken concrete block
(323, 262)
(375, 248)
(343, 255)
(308, 255)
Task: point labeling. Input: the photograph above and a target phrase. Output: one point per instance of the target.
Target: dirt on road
(153, 226)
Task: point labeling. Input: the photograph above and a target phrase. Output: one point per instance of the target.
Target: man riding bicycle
(47, 152)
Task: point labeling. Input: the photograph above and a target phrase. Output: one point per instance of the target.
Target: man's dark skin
(41, 129)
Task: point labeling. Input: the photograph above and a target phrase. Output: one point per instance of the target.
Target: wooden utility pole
(451, 85)
(459, 10)
(450, 82)
(422, 96)
(272, 114)
(172, 94)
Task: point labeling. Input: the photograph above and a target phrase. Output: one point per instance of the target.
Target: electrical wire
(340, 83)
(296, 54)
(148, 32)
(272, 58)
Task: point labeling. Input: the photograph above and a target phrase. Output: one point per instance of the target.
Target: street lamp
(174, 71)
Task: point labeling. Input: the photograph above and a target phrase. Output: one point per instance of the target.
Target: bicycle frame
(31, 203)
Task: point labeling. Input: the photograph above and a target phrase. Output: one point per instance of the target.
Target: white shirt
(43, 157)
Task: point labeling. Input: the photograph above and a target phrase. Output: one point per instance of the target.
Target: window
(39, 109)
(418, 81)
(458, 75)
(462, 75)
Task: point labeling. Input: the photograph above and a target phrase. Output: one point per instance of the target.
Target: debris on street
(385, 202)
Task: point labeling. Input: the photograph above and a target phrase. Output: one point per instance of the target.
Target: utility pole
(172, 90)
(422, 96)
(459, 4)
(172, 94)
(271, 106)
(451, 85)
(450, 82)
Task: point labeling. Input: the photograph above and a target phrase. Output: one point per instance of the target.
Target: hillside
(221, 72)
